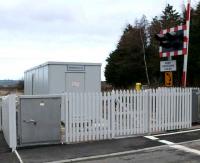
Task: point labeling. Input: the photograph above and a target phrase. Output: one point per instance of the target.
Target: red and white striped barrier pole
(184, 76)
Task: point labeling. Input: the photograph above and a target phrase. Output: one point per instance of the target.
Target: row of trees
(126, 64)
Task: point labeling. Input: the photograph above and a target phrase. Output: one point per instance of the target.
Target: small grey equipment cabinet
(38, 120)
(195, 106)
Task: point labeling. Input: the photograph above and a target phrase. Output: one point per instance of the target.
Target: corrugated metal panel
(36, 81)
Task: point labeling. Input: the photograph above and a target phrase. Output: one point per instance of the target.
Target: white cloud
(35, 31)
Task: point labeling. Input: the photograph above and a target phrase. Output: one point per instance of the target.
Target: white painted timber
(9, 120)
(99, 116)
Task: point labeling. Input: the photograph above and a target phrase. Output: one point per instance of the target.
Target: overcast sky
(36, 31)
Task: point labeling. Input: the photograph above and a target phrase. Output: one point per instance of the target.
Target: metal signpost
(184, 76)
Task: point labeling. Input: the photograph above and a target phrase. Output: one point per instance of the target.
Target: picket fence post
(112, 114)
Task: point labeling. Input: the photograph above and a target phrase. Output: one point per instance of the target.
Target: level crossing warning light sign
(168, 79)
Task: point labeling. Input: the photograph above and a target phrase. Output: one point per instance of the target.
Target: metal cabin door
(75, 82)
(39, 121)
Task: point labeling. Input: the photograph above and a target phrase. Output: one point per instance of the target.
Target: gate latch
(30, 121)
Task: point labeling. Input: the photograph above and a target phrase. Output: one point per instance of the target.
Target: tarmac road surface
(6, 156)
(165, 148)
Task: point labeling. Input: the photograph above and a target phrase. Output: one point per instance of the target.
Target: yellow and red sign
(168, 79)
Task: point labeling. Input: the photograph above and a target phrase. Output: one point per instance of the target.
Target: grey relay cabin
(59, 77)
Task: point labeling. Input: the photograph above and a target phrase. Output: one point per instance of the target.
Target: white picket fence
(98, 116)
(170, 109)
(9, 120)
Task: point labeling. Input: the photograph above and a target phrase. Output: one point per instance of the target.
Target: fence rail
(98, 116)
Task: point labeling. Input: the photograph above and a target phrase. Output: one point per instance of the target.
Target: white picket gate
(87, 117)
(131, 112)
(98, 116)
